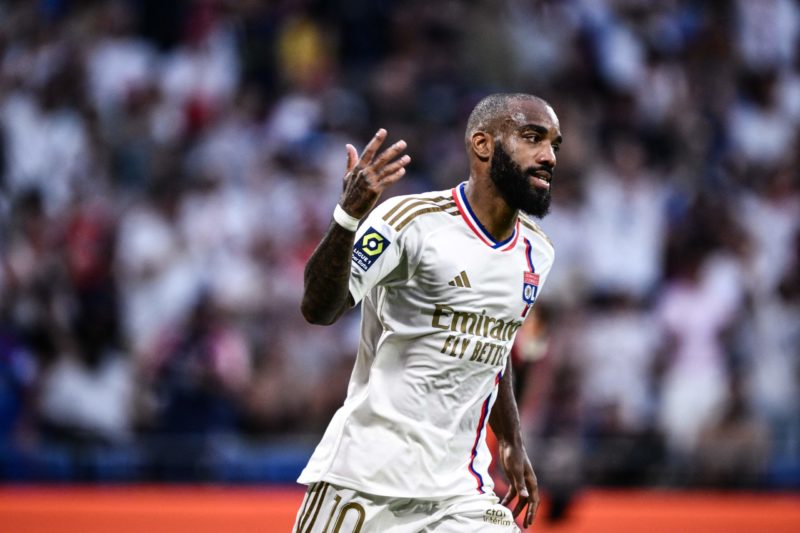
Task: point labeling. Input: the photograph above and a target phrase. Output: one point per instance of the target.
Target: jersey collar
(460, 197)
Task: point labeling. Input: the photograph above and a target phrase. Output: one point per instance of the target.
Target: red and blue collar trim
(460, 197)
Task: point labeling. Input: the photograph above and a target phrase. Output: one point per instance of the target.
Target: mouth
(541, 179)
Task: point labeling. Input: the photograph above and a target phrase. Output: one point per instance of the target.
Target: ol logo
(530, 286)
(369, 248)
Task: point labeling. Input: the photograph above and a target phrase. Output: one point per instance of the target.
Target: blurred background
(167, 167)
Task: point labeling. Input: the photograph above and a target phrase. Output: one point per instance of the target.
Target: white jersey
(442, 303)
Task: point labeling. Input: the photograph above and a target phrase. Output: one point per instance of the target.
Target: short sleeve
(381, 255)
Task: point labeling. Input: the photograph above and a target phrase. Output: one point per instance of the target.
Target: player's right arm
(326, 292)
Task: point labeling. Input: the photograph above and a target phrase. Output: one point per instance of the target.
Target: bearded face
(513, 183)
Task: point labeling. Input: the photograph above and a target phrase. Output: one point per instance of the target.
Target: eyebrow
(541, 130)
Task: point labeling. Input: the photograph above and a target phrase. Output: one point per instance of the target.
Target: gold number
(361, 515)
(336, 501)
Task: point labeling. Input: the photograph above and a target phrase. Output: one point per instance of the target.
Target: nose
(546, 156)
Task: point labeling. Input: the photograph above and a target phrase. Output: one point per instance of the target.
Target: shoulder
(408, 210)
(532, 229)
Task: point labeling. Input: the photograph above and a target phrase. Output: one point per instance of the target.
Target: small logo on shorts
(498, 517)
(369, 248)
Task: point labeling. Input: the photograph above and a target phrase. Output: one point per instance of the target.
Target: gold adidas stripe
(527, 223)
(311, 500)
(465, 278)
(415, 214)
(404, 201)
(534, 227)
(316, 489)
(406, 209)
(301, 516)
(319, 506)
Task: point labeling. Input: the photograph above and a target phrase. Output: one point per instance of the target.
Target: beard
(512, 182)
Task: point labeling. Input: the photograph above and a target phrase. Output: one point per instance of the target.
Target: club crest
(530, 287)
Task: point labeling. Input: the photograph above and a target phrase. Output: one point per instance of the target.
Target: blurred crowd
(167, 167)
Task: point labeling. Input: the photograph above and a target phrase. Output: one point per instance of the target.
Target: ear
(482, 145)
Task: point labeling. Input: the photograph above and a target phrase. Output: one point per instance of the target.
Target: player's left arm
(504, 420)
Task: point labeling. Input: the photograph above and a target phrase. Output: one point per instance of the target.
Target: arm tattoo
(326, 292)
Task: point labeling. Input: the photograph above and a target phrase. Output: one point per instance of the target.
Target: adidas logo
(460, 281)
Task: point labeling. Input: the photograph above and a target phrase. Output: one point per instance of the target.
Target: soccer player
(445, 280)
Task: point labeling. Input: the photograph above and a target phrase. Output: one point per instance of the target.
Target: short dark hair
(491, 107)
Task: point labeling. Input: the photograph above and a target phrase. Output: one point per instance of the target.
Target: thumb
(352, 157)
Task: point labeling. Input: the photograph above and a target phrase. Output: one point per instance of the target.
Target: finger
(372, 147)
(388, 180)
(533, 487)
(509, 497)
(522, 501)
(352, 157)
(395, 166)
(530, 515)
(533, 506)
(389, 154)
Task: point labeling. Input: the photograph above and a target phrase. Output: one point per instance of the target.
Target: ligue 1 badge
(369, 248)
(530, 286)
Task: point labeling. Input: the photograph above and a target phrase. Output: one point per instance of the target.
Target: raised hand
(367, 176)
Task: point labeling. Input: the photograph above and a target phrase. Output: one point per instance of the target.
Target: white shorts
(330, 508)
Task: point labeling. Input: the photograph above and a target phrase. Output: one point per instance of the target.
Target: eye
(556, 148)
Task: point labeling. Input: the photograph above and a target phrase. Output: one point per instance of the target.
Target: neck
(493, 212)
